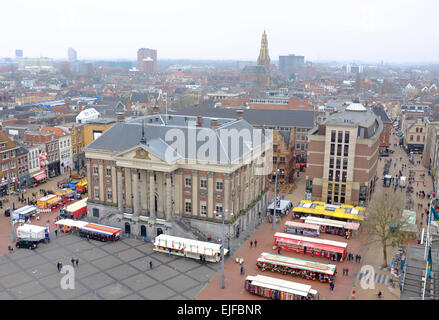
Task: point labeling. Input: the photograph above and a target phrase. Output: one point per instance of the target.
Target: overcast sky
(372, 30)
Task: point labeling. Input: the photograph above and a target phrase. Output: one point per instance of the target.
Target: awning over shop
(40, 176)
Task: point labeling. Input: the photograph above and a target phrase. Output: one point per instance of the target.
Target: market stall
(302, 228)
(24, 213)
(47, 203)
(39, 177)
(277, 289)
(188, 248)
(333, 250)
(67, 225)
(320, 209)
(75, 210)
(99, 232)
(66, 194)
(306, 269)
(332, 226)
(81, 187)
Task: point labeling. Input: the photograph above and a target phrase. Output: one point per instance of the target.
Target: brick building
(343, 156)
(50, 145)
(8, 163)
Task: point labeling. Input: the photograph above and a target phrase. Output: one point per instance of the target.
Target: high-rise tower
(264, 58)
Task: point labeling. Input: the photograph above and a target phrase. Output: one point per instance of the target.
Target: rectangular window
(109, 194)
(96, 193)
(282, 160)
(95, 212)
(333, 133)
(331, 175)
(187, 181)
(219, 209)
(108, 171)
(331, 163)
(346, 150)
(188, 205)
(337, 175)
(332, 149)
(340, 137)
(203, 182)
(219, 184)
(346, 137)
(203, 208)
(345, 164)
(339, 147)
(95, 169)
(338, 163)
(274, 147)
(329, 188)
(274, 159)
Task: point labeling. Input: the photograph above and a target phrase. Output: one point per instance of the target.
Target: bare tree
(385, 222)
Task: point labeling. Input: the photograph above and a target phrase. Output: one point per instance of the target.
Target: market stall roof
(48, 197)
(25, 210)
(297, 263)
(77, 205)
(283, 205)
(281, 285)
(324, 222)
(188, 245)
(100, 228)
(71, 223)
(322, 244)
(301, 225)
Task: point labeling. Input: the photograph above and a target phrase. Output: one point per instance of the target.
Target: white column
(119, 190)
(101, 181)
(135, 191)
(151, 194)
(168, 197)
(114, 183)
(143, 193)
(128, 188)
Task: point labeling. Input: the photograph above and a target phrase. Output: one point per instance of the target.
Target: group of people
(75, 262)
(253, 242)
(354, 256)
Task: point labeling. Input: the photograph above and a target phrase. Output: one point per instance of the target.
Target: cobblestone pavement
(107, 270)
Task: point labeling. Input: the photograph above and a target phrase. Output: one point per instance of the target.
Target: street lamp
(275, 200)
(222, 283)
(10, 213)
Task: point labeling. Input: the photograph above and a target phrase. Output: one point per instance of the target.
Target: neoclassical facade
(146, 182)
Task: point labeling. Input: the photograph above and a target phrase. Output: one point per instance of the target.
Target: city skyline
(393, 31)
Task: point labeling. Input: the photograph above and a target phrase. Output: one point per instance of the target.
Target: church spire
(264, 58)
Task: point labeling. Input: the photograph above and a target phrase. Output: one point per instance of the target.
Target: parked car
(27, 244)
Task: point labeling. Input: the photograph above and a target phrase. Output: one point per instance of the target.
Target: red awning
(40, 176)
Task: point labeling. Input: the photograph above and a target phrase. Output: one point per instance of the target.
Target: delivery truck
(31, 233)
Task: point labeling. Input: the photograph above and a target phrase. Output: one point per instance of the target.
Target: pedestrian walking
(331, 286)
(353, 256)
(278, 250)
(150, 265)
(256, 243)
(58, 266)
(56, 233)
(251, 243)
(353, 294)
(242, 269)
(359, 259)
(347, 271)
(77, 262)
(344, 271)
(73, 262)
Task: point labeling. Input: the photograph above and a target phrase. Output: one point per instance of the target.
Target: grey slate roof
(256, 117)
(182, 136)
(382, 114)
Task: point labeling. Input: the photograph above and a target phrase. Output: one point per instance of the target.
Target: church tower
(264, 58)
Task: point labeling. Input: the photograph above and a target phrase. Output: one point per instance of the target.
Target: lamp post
(222, 282)
(275, 201)
(10, 213)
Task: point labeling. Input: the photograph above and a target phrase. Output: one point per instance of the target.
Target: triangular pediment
(139, 152)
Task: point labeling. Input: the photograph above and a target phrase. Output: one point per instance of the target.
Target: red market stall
(77, 209)
(334, 250)
(100, 232)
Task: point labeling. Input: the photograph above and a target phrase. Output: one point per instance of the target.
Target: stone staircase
(184, 227)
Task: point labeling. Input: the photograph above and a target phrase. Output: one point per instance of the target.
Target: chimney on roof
(239, 114)
(199, 121)
(214, 123)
